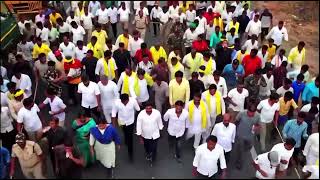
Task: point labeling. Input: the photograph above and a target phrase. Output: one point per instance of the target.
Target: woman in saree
(103, 138)
(82, 126)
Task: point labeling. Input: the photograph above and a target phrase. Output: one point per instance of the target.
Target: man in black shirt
(122, 58)
(223, 55)
(90, 63)
(55, 135)
(243, 22)
(196, 85)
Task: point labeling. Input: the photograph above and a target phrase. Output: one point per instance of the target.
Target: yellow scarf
(218, 22)
(136, 86)
(106, 68)
(208, 69)
(217, 95)
(124, 40)
(125, 88)
(175, 68)
(203, 113)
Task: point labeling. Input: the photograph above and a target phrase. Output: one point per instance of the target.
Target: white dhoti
(107, 114)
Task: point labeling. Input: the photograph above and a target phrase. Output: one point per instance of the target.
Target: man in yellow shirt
(54, 16)
(101, 36)
(95, 47)
(271, 49)
(286, 103)
(297, 56)
(39, 48)
(157, 52)
(179, 89)
(174, 67)
(124, 38)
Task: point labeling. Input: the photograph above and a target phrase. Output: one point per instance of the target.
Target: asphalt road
(165, 166)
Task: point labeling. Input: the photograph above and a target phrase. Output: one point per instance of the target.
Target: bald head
(226, 119)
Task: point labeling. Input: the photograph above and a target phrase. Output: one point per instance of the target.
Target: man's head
(89, 54)
(269, 71)
(216, 75)
(85, 80)
(194, 76)
(140, 13)
(273, 157)
(39, 41)
(284, 64)
(287, 83)
(257, 73)
(74, 25)
(317, 81)
(240, 86)
(148, 108)
(98, 27)
(18, 94)
(197, 98)
(264, 49)
(280, 24)
(253, 53)
(135, 34)
(11, 87)
(270, 42)
(304, 68)
(54, 122)
(104, 79)
(107, 54)
(235, 63)
(124, 98)
(274, 97)
(65, 39)
(179, 106)
(42, 58)
(226, 119)
(212, 89)
(141, 73)
(301, 117)
(109, 43)
(289, 143)
(102, 122)
(21, 139)
(252, 108)
(50, 93)
(143, 46)
(301, 45)
(80, 44)
(314, 101)
(300, 78)
(28, 103)
(288, 96)
(145, 59)
(282, 52)
(128, 70)
(256, 17)
(178, 75)
(211, 142)
(217, 29)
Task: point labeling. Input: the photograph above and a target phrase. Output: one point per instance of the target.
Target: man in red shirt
(251, 62)
(72, 69)
(200, 45)
(209, 15)
(144, 50)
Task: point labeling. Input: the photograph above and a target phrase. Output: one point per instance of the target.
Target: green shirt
(214, 39)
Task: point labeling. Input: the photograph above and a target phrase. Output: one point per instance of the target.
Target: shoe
(177, 159)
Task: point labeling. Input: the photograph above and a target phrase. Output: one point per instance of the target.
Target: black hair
(121, 44)
(305, 67)
(301, 43)
(274, 96)
(179, 103)
(300, 77)
(213, 86)
(212, 138)
(124, 97)
(11, 85)
(288, 95)
(178, 74)
(51, 63)
(141, 72)
(51, 91)
(143, 45)
(315, 100)
(290, 141)
(287, 81)
(27, 102)
(302, 114)
(107, 53)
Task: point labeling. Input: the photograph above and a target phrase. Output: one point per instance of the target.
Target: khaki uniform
(141, 25)
(28, 159)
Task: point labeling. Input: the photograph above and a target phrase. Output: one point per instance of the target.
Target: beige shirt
(28, 156)
(14, 107)
(161, 92)
(42, 68)
(141, 23)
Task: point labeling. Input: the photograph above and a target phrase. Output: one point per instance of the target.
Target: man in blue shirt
(298, 87)
(311, 90)
(4, 162)
(296, 128)
(232, 72)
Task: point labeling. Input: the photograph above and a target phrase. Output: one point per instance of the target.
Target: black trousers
(8, 139)
(150, 147)
(176, 142)
(128, 138)
(242, 146)
(264, 32)
(92, 111)
(114, 29)
(227, 156)
(72, 92)
(156, 26)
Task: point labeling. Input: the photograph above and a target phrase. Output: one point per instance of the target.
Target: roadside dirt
(302, 22)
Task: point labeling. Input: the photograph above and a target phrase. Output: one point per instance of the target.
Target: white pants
(197, 138)
(107, 114)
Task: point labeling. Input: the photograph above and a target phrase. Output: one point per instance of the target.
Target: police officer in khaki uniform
(29, 155)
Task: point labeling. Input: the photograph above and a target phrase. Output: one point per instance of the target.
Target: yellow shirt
(157, 54)
(179, 91)
(53, 18)
(38, 50)
(101, 37)
(173, 70)
(235, 26)
(97, 50)
(285, 107)
(271, 52)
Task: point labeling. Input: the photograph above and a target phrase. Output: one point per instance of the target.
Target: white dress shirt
(113, 15)
(173, 11)
(68, 50)
(125, 112)
(144, 93)
(77, 34)
(134, 45)
(81, 53)
(23, 83)
(206, 161)
(225, 135)
(264, 163)
(56, 105)
(221, 85)
(278, 35)
(26, 50)
(149, 126)
(264, 58)
(213, 113)
(190, 15)
(267, 111)
(266, 91)
(146, 67)
(103, 16)
(177, 125)
(283, 153)
(30, 118)
(89, 94)
(196, 126)
(100, 67)
(87, 20)
(75, 18)
(155, 12)
(311, 149)
(253, 28)
(109, 94)
(248, 45)
(124, 14)
(238, 98)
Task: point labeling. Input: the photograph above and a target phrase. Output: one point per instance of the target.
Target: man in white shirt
(86, 20)
(269, 115)
(278, 33)
(67, 48)
(134, 43)
(103, 16)
(7, 129)
(226, 133)
(237, 98)
(80, 51)
(250, 44)
(113, 18)
(125, 107)
(130, 76)
(149, 124)
(161, 94)
(28, 117)
(254, 27)
(155, 17)
(202, 21)
(139, 88)
(57, 107)
(205, 162)
(145, 64)
(173, 10)
(72, 17)
(22, 81)
(311, 149)
(77, 32)
(43, 33)
(90, 101)
(266, 165)
(110, 64)
(123, 16)
(190, 15)
(285, 151)
(177, 118)
(108, 93)
(25, 48)
(287, 86)
(93, 7)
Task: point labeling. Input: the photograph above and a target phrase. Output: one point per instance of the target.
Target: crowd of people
(220, 76)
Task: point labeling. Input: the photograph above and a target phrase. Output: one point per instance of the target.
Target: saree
(82, 134)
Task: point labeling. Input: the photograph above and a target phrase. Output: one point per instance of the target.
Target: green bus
(9, 28)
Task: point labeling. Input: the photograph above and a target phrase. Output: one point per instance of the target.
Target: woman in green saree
(82, 126)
